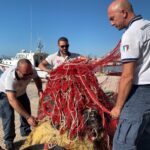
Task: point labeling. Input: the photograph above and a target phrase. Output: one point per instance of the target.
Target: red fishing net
(71, 89)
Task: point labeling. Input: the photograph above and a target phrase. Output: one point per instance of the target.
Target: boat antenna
(31, 38)
(40, 46)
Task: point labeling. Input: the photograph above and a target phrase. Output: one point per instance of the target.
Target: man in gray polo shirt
(13, 84)
(56, 59)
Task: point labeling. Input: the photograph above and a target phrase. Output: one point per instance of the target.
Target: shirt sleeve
(129, 48)
(49, 59)
(10, 84)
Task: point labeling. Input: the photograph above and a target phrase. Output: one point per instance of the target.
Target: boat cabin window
(19, 56)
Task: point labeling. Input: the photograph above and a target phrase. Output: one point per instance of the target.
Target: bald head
(120, 12)
(24, 66)
(23, 62)
(121, 5)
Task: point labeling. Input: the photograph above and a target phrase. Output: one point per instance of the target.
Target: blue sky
(84, 22)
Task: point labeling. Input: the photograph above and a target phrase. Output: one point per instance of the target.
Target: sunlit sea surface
(108, 69)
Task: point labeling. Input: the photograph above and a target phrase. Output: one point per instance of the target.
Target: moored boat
(35, 58)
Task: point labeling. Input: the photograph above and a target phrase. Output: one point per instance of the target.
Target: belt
(142, 85)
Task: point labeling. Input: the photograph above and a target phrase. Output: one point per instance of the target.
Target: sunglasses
(27, 74)
(64, 46)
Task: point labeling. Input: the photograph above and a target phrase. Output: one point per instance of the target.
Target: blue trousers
(7, 115)
(133, 131)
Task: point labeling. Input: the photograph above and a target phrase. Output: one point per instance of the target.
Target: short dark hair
(62, 39)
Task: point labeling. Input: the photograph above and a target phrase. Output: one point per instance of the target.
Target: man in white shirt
(56, 59)
(13, 84)
(133, 101)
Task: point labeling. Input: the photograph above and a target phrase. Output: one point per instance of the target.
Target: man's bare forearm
(38, 83)
(124, 89)
(43, 66)
(18, 107)
(44, 69)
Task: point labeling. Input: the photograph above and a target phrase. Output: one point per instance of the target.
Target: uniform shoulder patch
(125, 48)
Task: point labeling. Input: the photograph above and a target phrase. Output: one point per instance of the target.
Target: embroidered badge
(125, 48)
(58, 61)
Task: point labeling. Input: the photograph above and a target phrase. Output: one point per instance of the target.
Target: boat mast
(31, 38)
(40, 46)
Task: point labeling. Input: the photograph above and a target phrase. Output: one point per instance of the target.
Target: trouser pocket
(127, 131)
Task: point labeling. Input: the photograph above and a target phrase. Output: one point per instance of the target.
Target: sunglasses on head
(64, 46)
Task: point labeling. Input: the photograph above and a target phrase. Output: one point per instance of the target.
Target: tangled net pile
(71, 90)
